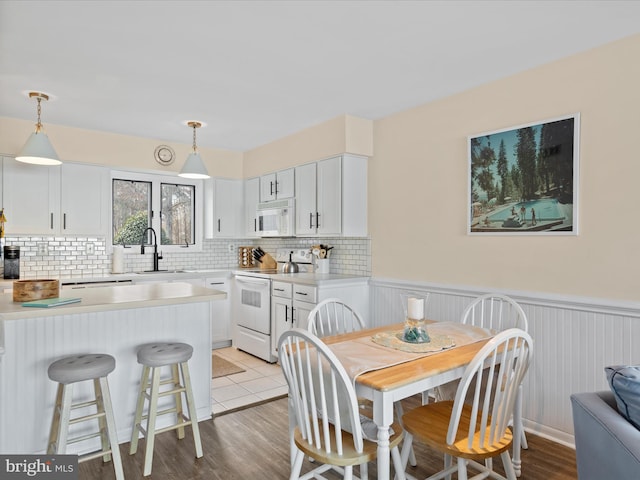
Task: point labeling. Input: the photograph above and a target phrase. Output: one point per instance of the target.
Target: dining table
(384, 373)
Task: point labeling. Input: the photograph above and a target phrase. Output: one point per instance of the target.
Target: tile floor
(259, 382)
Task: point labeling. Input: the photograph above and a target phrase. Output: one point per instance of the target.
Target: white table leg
(383, 417)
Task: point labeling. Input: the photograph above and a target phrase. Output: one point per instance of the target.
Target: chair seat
(77, 368)
(429, 423)
(349, 455)
(160, 354)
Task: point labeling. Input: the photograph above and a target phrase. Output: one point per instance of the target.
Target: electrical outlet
(43, 249)
(231, 248)
(90, 248)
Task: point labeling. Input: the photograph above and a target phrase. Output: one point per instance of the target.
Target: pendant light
(194, 166)
(38, 148)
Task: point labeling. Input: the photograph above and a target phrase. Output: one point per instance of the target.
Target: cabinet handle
(279, 289)
(271, 187)
(52, 221)
(218, 225)
(301, 293)
(317, 220)
(310, 220)
(286, 313)
(277, 187)
(255, 225)
(292, 316)
(64, 221)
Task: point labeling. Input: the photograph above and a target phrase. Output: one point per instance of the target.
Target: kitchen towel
(117, 260)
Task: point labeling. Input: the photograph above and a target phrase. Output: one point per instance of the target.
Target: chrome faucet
(156, 257)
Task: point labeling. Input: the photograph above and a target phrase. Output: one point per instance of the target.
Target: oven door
(253, 303)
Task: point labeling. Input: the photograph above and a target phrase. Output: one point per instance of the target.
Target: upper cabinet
(251, 199)
(69, 199)
(331, 197)
(224, 215)
(278, 185)
(84, 199)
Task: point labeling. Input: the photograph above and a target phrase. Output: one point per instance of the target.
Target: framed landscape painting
(524, 180)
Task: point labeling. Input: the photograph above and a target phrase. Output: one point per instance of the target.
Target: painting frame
(523, 180)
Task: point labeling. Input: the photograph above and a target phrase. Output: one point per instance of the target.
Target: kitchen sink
(152, 272)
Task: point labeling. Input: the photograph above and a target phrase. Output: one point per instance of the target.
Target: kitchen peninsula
(114, 320)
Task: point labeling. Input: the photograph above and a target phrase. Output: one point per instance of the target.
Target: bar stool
(152, 357)
(73, 369)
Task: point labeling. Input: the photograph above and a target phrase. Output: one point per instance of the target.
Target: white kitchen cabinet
(292, 302)
(331, 197)
(66, 199)
(224, 211)
(84, 199)
(277, 185)
(290, 307)
(251, 199)
(319, 200)
(30, 194)
(220, 313)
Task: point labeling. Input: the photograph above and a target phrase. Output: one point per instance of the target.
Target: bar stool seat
(68, 371)
(153, 357)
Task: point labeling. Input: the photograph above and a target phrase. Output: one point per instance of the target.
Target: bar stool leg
(191, 404)
(65, 415)
(178, 400)
(137, 422)
(107, 406)
(151, 421)
(104, 432)
(55, 421)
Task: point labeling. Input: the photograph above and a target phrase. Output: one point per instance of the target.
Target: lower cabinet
(220, 313)
(290, 307)
(291, 303)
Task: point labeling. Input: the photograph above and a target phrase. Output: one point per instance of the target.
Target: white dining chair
(329, 425)
(478, 431)
(334, 317)
(494, 312)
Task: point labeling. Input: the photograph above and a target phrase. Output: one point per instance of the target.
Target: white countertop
(308, 278)
(119, 297)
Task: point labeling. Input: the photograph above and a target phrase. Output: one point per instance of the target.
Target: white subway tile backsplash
(67, 256)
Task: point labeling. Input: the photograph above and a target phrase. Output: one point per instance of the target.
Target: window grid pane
(178, 214)
(131, 202)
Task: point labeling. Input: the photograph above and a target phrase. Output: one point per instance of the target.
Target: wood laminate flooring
(253, 443)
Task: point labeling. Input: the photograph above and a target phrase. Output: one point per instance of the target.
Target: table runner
(364, 355)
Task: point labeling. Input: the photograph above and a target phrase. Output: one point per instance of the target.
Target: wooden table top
(397, 376)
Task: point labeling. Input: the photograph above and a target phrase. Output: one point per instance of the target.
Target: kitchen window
(167, 204)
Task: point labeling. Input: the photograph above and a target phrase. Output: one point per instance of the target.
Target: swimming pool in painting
(546, 209)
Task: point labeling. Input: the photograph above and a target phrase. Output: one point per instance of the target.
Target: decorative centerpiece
(415, 329)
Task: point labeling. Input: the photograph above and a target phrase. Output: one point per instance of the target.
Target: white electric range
(251, 308)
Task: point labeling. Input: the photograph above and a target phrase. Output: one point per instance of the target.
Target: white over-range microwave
(277, 218)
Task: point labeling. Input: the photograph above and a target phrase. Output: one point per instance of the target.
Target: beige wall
(117, 151)
(343, 134)
(418, 183)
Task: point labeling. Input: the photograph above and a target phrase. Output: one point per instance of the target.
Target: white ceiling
(256, 71)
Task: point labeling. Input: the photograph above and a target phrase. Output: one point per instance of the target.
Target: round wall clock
(164, 155)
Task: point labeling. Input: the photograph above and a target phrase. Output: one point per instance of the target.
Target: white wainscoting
(575, 338)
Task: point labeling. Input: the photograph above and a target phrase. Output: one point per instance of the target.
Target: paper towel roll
(117, 260)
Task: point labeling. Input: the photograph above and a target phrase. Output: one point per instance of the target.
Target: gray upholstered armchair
(607, 445)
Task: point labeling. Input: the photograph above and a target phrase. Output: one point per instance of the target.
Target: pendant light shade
(194, 166)
(38, 149)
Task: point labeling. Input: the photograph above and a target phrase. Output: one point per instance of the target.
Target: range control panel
(300, 255)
